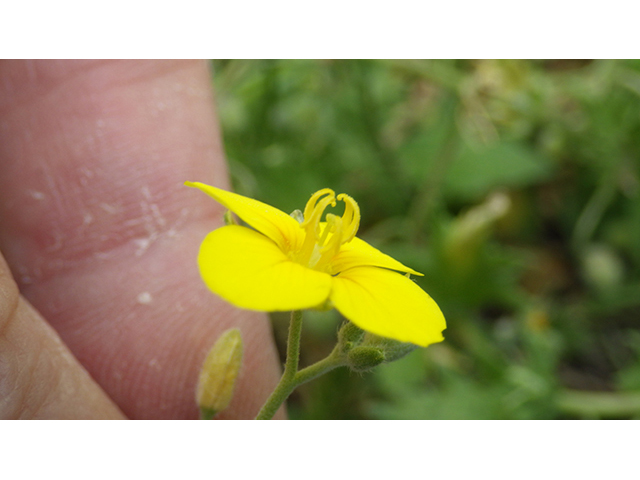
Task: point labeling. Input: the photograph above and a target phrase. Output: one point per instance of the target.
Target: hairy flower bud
(349, 336)
(219, 373)
(362, 359)
(392, 349)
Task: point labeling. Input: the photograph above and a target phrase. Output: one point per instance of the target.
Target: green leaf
(476, 172)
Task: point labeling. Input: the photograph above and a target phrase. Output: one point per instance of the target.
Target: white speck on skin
(36, 195)
(28, 276)
(143, 244)
(109, 208)
(145, 298)
(155, 211)
(132, 222)
(152, 220)
(87, 218)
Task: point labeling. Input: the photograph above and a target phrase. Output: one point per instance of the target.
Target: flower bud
(219, 373)
(392, 349)
(349, 336)
(362, 359)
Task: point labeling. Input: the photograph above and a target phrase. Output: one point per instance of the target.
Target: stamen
(330, 241)
(322, 244)
(329, 227)
(314, 199)
(315, 208)
(334, 223)
(311, 224)
(350, 218)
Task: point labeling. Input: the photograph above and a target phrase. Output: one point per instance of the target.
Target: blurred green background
(512, 185)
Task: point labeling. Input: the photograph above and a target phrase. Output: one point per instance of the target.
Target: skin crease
(101, 238)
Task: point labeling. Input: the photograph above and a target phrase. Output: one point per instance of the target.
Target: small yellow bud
(219, 373)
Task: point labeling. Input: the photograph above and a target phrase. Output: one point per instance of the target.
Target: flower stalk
(291, 377)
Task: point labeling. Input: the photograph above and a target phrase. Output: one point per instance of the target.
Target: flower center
(323, 239)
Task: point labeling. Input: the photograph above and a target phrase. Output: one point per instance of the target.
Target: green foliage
(514, 186)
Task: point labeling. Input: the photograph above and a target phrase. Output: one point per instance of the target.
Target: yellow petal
(274, 223)
(388, 304)
(359, 253)
(249, 270)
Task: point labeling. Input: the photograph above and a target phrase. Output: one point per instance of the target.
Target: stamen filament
(329, 227)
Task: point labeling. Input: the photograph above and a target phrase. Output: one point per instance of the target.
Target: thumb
(39, 377)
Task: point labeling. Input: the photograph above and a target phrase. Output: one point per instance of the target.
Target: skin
(102, 310)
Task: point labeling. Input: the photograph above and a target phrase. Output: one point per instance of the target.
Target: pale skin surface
(102, 310)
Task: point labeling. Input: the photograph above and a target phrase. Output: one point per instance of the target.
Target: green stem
(334, 360)
(291, 377)
(293, 345)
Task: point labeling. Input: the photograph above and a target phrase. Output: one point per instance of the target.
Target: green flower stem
(285, 386)
(291, 377)
(334, 360)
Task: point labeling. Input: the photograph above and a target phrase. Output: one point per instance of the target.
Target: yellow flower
(285, 264)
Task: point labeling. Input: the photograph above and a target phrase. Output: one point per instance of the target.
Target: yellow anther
(316, 206)
(350, 218)
(314, 199)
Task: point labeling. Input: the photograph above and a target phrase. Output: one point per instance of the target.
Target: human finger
(102, 236)
(39, 377)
